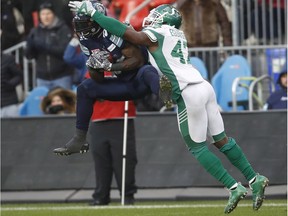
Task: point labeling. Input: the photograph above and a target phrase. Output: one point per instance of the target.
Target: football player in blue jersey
(197, 108)
(134, 77)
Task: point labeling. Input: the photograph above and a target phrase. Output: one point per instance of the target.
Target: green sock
(213, 165)
(236, 156)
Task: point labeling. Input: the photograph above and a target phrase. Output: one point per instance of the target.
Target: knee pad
(231, 143)
(147, 70)
(150, 76)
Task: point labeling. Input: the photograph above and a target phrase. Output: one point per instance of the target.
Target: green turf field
(179, 208)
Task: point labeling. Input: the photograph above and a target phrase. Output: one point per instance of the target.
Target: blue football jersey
(114, 46)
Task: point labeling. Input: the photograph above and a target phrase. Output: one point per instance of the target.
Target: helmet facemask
(153, 19)
(86, 27)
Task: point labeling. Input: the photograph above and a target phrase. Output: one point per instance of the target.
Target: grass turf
(176, 208)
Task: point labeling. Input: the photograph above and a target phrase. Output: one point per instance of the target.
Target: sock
(236, 156)
(213, 165)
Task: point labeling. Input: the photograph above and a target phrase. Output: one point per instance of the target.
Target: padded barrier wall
(27, 161)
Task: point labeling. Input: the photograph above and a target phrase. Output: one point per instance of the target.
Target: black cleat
(77, 144)
(66, 151)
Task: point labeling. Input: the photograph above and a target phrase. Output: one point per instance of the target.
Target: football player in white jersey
(197, 108)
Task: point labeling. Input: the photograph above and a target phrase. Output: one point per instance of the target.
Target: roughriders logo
(99, 7)
(96, 5)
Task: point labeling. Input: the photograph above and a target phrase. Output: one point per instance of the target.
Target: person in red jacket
(106, 140)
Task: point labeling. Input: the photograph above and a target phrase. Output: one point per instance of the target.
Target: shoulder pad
(150, 34)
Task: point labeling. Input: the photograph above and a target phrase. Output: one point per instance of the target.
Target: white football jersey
(172, 57)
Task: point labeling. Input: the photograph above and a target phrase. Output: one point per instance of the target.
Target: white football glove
(99, 60)
(83, 7)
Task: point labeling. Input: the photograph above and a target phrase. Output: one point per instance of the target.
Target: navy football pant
(145, 82)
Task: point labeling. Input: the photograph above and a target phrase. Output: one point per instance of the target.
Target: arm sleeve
(112, 25)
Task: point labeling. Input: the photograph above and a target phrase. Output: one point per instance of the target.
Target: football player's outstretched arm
(112, 25)
(119, 29)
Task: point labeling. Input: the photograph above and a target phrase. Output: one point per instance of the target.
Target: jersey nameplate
(177, 33)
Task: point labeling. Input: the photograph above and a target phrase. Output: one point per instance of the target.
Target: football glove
(99, 60)
(82, 7)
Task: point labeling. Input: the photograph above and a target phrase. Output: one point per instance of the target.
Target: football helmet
(161, 15)
(84, 26)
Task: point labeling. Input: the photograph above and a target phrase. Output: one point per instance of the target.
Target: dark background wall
(27, 161)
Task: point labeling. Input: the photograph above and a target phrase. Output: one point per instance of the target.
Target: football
(96, 74)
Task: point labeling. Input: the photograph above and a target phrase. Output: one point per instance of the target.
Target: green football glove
(84, 7)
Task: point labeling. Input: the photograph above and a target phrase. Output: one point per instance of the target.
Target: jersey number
(178, 53)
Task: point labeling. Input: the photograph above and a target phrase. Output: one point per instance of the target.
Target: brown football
(96, 74)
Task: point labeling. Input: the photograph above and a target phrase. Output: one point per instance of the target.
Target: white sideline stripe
(129, 207)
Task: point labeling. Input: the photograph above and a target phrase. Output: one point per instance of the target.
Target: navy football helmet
(85, 27)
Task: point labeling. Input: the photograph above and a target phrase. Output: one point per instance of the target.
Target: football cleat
(166, 91)
(235, 196)
(77, 144)
(64, 151)
(258, 189)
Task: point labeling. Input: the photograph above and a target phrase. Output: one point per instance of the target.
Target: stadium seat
(31, 105)
(200, 66)
(233, 67)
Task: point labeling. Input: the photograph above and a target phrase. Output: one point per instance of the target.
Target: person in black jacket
(46, 43)
(11, 76)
